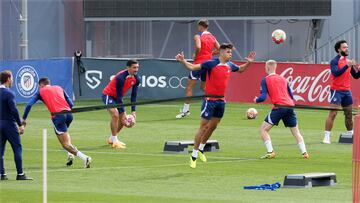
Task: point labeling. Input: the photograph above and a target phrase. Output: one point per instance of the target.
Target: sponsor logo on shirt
(26, 81)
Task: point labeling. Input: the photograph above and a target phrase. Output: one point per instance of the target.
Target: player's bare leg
(329, 124)
(348, 118)
(265, 136)
(300, 141)
(211, 126)
(114, 126)
(197, 140)
(65, 141)
(188, 92)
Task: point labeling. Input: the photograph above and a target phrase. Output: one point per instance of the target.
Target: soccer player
(280, 93)
(212, 110)
(56, 100)
(206, 46)
(340, 91)
(113, 94)
(9, 118)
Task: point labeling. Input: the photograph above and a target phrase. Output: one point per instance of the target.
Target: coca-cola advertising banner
(310, 83)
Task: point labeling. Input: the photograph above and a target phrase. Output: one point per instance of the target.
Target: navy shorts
(341, 97)
(288, 117)
(198, 75)
(62, 123)
(111, 100)
(212, 108)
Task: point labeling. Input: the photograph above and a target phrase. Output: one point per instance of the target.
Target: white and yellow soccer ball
(251, 113)
(278, 36)
(129, 121)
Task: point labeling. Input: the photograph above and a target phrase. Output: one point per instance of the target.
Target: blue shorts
(111, 100)
(288, 117)
(341, 97)
(197, 75)
(62, 123)
(212, 108)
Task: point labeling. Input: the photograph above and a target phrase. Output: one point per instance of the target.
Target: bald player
(280, 93)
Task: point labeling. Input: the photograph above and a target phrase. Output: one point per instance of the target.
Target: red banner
(310, 83)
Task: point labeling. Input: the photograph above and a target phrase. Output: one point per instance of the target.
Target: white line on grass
(144, 154)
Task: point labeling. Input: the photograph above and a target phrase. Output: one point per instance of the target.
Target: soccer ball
(278, 36)
(251, 113)
(129, 121)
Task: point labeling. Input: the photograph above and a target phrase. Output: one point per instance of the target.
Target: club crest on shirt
(27, 81)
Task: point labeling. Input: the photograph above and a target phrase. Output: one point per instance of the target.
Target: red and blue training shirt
(120, 84)
(278, 90)
(54, 97)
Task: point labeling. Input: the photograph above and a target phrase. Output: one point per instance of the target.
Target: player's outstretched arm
(249, 59)
(180, 57)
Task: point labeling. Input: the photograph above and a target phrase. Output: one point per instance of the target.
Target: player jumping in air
(280, 93)
(212, 110)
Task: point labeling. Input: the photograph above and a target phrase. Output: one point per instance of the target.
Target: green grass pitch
(143, 173)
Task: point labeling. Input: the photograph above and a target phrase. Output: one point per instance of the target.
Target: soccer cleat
(23, 177)
(182, 114)
(4, 177)
(269, 155)
(109, 141)
(87, 162)
(202, 156)
(119, 145)
(192, 163)
(305, 155)
(70, 160)
(326, 141)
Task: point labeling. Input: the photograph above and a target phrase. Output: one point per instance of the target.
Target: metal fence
(325, 52)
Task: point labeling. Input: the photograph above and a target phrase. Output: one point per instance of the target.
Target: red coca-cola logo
(309, 88)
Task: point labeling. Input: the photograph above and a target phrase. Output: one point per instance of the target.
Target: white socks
(327, 134)
(186, 108)
(201, 146)
(195, 153)
(268, 146)
(114, 138)
(302, 147)
(81, 156)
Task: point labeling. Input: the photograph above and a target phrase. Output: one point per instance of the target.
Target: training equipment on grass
(129, 121)
(183, 145)
(308, 180)
(356, 161)
(251, 113)
(346, 138)
(278, 36)
(264, 187)
(110, 106)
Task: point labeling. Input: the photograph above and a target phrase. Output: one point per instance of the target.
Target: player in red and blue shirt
(280, 93)
(212, 110)
(340, 90)
(56, 100)
(206, 46)
(114, 92)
